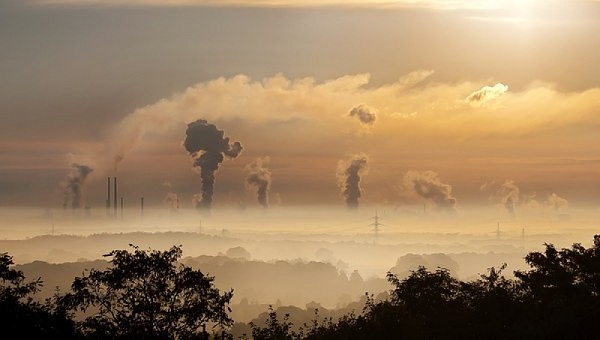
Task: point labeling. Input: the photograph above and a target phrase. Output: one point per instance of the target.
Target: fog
(291, 256)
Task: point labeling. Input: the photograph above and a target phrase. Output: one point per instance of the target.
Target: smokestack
(115, 197)
(121, 206)
(108, 196)
(142, 206)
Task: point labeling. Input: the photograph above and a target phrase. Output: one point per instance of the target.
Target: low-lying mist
(289, 255)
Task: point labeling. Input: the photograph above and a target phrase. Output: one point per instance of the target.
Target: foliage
(275, 329)
(21, 316)
(147, 295)
(562, 291)
(559, 298)
(150, 295)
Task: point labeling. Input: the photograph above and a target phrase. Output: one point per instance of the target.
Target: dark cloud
(207, 145)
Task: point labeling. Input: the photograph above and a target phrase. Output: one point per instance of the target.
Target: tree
(562, 291)
(21, 315)
(148, 294)
(275, 329)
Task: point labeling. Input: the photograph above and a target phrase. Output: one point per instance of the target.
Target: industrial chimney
(108, 197)
(115, 196)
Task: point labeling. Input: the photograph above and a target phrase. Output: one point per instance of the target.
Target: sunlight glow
(521, 7)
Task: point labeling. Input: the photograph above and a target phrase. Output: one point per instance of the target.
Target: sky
(446, 104)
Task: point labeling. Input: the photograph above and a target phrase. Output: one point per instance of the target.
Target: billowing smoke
(207, 145)
(556, 202)
(349, 173)
(259, 179)
(509, 195)
(486, 94)
(72, 186)
(171, 199)
(364, 114)
(427, 185)
(196, 199)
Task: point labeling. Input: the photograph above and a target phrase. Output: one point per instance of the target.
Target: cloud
(414, 78)
(439, 4)
(435, 110)
(486, 93)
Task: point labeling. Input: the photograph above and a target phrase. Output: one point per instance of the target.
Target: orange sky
(475, 94)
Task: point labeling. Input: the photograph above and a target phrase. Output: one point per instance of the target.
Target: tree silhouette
(275, 329)
(562, 291)
(558, 298)
(21, 316)
(148, 295)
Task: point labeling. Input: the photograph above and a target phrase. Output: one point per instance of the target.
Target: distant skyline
(453, 103)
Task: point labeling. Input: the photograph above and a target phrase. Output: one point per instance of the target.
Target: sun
(522, 8)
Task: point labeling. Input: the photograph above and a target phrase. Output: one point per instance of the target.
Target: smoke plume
(72, 186)
(171, 199)
(427, 185)
(364, 114)
(348, 173)
(556, 202)
(207, 145)
(259, 179)
(196, 199)
(509, 195)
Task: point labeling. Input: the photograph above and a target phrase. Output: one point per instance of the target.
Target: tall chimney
(108, 196)
(115, 197)
(142, 206)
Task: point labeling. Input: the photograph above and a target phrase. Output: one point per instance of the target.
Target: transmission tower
(376, 226)
(498, 231)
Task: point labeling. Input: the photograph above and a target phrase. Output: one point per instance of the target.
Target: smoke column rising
(207, 145)
(349, 173)
(509, 193)
(72, 186)
(259, 178)
(557, 202)
(428, 185)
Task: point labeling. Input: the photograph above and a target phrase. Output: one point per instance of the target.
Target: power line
(376, 226)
